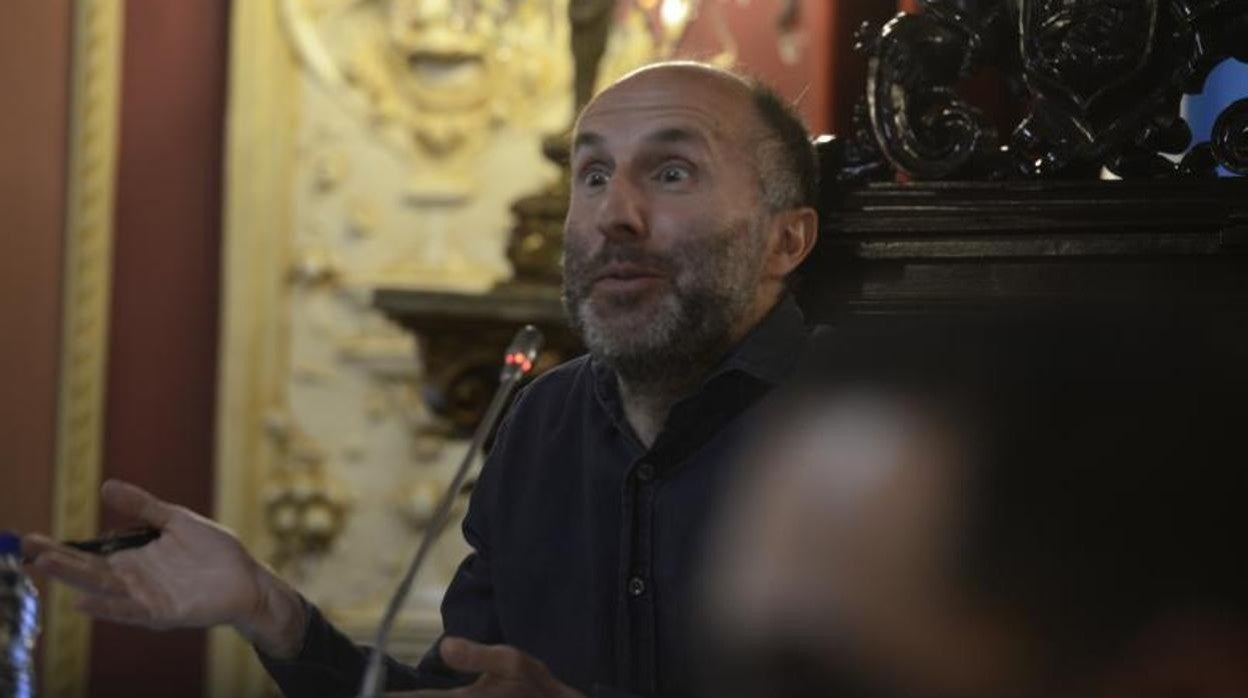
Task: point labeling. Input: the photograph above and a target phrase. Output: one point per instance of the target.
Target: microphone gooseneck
(517, 362)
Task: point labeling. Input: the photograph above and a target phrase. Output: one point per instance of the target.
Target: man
(1039, 507)
(691, 205)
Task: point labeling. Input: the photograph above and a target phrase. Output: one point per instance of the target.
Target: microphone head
(522, 352)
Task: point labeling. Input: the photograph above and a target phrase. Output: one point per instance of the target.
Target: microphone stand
(517, 363)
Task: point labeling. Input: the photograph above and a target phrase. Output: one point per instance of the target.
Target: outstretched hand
(197, 574)
(505, 671)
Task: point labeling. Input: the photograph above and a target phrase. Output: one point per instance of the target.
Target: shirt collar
(769, 351)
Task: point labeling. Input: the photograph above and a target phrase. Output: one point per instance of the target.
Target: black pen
(115, 541)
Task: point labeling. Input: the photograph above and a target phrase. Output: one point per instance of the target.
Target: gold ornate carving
(84, 335)
(305, 509)
(434, 78)
(254, 347)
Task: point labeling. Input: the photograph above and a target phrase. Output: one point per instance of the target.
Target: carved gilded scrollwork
(433, 79)
(304, 511)
(1101, 81)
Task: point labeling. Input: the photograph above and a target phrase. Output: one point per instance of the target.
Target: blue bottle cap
(10, 544)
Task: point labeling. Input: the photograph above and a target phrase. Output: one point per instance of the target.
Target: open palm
(196, 574)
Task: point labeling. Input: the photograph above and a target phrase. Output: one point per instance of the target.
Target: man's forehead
(658, 124)
(668, 100)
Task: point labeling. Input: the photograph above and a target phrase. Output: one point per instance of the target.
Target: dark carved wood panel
(1100, 82)
(928, 204)
(889, 247)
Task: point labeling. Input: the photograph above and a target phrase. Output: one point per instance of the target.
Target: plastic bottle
(19, 622)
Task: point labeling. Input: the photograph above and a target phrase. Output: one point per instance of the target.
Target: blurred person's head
(1040, 506)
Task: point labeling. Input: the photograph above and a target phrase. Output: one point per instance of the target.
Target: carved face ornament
(446, 46)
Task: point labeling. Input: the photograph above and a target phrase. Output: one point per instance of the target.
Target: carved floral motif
(1101, 81)
(1083, 48)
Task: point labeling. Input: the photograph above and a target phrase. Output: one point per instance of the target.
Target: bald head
(753, 115)
(694, 72)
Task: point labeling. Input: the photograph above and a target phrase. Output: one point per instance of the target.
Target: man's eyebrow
(586, 140)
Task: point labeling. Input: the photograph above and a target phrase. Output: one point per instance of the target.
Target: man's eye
(673, 174)
(594, 178)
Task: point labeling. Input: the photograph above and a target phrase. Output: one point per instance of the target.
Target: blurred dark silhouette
(1023, 503)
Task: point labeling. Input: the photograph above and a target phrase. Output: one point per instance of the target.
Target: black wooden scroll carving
(1100, 82)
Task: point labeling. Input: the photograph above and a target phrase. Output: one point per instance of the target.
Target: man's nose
(622, 214)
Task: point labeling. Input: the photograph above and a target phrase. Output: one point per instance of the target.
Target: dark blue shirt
(584, 541)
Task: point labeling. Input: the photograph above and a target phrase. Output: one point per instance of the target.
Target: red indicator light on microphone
(521, 361)
(519, 357)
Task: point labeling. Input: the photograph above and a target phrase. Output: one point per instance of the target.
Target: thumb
(131, 500)
(474, 658)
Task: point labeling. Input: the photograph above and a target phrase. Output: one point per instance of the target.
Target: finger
(475, 658)
(80, 571)
(35, 544)
(132, 500)
(113, 608)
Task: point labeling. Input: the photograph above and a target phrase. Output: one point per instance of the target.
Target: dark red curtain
(162, 360)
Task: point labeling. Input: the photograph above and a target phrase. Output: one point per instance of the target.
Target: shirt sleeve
(331, 664)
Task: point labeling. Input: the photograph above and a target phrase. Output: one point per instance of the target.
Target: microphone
(521, 353)
(517, 362)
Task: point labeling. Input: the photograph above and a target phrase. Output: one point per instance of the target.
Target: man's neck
(646, 406)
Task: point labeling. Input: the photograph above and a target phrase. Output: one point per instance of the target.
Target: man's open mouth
(626, 273)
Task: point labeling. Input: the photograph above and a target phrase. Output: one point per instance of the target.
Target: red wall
(828, 79)
(34, 73)
(163, 334)
(757, 33)
(34, 142)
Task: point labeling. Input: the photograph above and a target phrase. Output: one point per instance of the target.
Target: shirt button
(645, 472)
(636, 586)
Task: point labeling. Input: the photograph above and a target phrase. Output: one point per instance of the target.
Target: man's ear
(793, 236)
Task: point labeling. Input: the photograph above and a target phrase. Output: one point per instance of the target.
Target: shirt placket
(637, 632)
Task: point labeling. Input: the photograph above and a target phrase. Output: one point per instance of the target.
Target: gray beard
(691, 325)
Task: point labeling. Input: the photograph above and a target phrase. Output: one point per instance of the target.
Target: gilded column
(95, 88)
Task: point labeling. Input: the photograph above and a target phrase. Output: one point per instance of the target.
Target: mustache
(583, 270)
